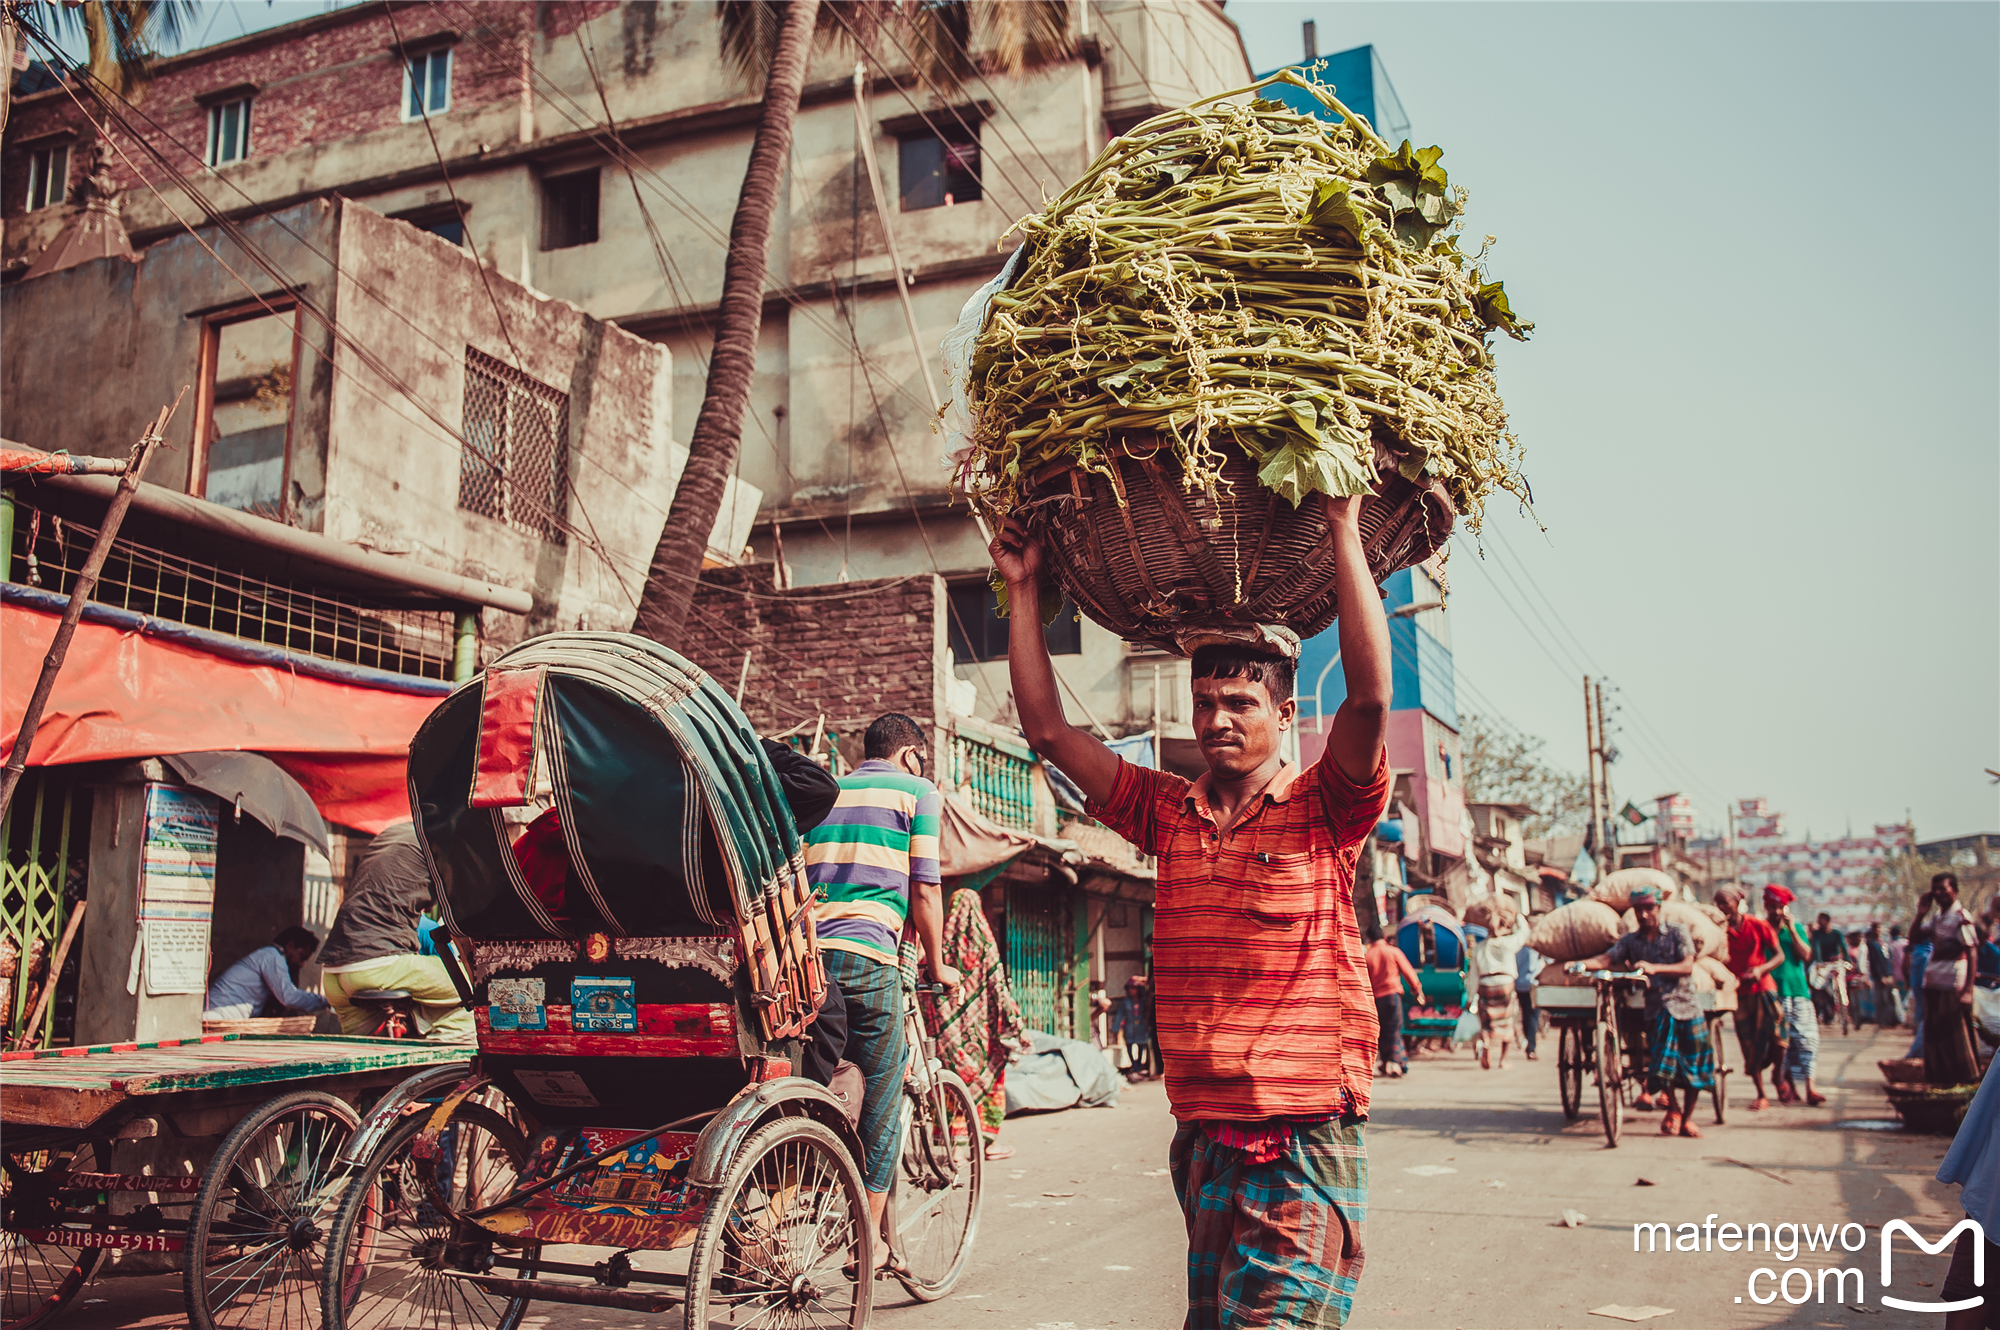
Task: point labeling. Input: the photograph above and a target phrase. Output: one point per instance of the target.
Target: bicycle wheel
(1610, 1080)
(390, 1251)
(786, 1237)
(40, 1273)
(936, 1206)
(254, 1243)
(1569, 1071)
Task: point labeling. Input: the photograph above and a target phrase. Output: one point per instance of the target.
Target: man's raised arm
(1355, 743)
(1083, 759)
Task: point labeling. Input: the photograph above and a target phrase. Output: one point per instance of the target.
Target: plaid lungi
(1275, 1244)
(1759, 1031)
(1682, 1055)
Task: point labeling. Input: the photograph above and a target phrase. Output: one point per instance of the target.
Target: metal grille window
(514, 466)
(48, 553)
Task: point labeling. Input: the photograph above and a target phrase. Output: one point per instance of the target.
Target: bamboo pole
(27, 1038)
(128, 485)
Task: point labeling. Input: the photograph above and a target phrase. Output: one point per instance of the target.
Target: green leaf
(1414, 186)
(1333, 208)
(1052, 597)
(1125, 385)
(1303, 466)
(1490, 304)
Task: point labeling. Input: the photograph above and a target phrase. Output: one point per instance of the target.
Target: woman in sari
(978, 1023)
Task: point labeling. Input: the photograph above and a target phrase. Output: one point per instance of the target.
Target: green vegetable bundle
(1239, 271)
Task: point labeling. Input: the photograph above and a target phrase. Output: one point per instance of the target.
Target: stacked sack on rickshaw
(1586, 929)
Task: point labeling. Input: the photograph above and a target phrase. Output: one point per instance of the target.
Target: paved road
(1080, 1228)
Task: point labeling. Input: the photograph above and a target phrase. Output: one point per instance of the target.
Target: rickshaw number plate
(517, 1004)
(603, 1006)
(556, 1089)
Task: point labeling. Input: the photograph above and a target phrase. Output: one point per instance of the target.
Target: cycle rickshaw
(641, 965)
(1602, 1030)
(1434, 941)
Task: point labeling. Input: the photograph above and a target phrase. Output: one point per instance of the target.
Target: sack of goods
(1498, 915)
(1239, 308)
(1615, 889)
(1577, 931)
(1711, 973)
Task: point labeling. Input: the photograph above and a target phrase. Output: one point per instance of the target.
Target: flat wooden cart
(224, 1145)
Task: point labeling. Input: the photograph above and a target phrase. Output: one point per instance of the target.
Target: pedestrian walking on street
(1795, 999)
(874, 864)
(1262, 1000)
(1390, 972)
(978, 1024)
(1828, 947)
(1496, 962)
(1526, 966)
(1753, 954)
(1949, 1036)
(1134, 1030)
(1881, 978)
(1679, 1054)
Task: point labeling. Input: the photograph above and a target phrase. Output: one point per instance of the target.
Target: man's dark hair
(296, 937)
(889, 733)
(1895, 930)
(1276, 673)
(1944, 879)
(1825, 918)
(1374, 933)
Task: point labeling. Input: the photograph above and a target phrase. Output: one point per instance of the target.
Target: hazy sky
(1761, 409)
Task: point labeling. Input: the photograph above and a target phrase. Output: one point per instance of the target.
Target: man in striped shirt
(1262, 1002)
(874, 861)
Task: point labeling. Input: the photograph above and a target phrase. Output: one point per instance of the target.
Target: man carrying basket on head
(1263, 1005)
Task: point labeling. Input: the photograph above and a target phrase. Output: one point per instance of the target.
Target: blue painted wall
(1361, 81)
(1422, 665)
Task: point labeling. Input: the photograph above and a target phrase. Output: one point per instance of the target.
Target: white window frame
(410, 63)
(215, 119)
(41, 171)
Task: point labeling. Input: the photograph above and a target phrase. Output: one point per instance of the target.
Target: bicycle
(943, 1160)
(1830, 977)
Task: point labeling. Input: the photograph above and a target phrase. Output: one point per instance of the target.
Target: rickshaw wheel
(1610, 1081)
(786, 1238)
(39, 1279)
(259, 1223)
(390, 1251)
(1569, 1071)
(946, 1157)
(1719, 1091)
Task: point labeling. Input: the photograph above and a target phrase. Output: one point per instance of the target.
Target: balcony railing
(999, 782)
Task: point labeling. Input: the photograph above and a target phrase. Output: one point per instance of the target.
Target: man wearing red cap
(1753, 954)
(1795, 999)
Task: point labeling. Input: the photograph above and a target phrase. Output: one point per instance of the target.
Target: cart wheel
(786, 1238)
(1569, 1071)
(390, 1251)
(1610, 1081)
(938, 1187)
(254, 1240)
(1720, 1091)
(39, 1278)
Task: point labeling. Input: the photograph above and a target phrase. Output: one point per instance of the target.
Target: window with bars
(514, 466)
(229, 132)
(48, 176)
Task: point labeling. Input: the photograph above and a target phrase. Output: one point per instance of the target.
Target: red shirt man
(1264, 1008)
(1388, 967)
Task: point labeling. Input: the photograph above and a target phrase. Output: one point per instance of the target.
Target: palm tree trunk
(717, 437)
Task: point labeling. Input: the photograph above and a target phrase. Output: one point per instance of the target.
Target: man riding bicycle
(373, 944)
(1828, 947)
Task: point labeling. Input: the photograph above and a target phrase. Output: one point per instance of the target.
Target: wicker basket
(1147, 558)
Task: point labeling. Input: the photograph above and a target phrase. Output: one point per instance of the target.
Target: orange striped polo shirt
(1262, 999)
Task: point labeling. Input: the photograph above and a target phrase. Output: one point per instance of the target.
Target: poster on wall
(177, 888)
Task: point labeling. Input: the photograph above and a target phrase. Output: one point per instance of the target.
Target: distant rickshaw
(1434, 941)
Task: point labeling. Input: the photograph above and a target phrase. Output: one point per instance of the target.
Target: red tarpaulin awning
(126, 694)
